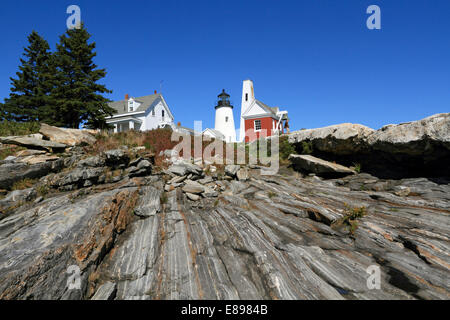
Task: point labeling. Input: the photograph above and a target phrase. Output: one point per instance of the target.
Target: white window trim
(254, 125)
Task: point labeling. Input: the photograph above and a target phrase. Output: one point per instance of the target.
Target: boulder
(183, 168)
(209, 192)
(116, 158)
(34, 143)
(206, 180)
(91, 162)
(106, 291)
(70, 137)
(232, 169)
(177, 179)
(29, 152)
(242, 174)
(13, 172)
(346, 138)
(33, 159)
(144, 167)
(10, 159)
(192, 197)
(77, 178)
(16, 197)
(193, 187)
(412, 149)
(318, 166)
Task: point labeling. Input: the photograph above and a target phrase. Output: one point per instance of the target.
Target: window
(246, 97)
(162, 114)
(226, 119)
(130, 106)
(153, 112)
(257, 125)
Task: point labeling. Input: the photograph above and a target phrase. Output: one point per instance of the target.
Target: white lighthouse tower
(248, 96)
(224, 117)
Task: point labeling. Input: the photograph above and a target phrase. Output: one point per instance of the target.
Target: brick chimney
(155, 91)
(127, 97)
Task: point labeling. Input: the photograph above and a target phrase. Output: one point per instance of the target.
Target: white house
(213, 133)
(142, 113)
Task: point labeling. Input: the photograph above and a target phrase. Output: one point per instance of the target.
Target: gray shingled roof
(146, 101)
(218, 134)
(266, 107)
(272, 110)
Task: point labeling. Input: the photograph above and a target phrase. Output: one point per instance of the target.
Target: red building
(258, 119)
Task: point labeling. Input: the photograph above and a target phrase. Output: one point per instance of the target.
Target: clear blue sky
(314, 58)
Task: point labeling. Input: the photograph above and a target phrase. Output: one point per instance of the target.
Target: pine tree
(29, 98)
(2, 112)
(77, 94)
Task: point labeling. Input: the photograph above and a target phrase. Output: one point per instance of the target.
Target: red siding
(266, 123)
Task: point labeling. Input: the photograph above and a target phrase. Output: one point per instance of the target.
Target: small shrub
(23, 184)
(351, 215)
(307, 147)
(12, 128)
(271, 194)
(286, 149)
(4, 153)
(148, 146)
(163, 199)
(9, 150)
(357, 167)
(42, 190)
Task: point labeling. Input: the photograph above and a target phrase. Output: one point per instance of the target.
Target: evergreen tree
(2, 112)
(29, 98)
(77, 94)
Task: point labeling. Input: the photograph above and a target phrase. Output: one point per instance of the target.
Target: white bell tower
(224, 117)
(248, 96)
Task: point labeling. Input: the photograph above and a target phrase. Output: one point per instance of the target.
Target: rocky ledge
(414, 149)
(285, 236)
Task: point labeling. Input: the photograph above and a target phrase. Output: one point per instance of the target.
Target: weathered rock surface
(69, 137)
(413, 149)
(107, 291)
(312, 164)
(34, 159)
(13, 172)
(116, 158)
(39, 245)
(193, 188)
(232, 169)
(15, 198)
(183, 168)
(149, 203)
(33, 143)
(270, 237)
(242, 174)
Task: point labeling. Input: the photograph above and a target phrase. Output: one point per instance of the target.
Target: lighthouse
(224, 117)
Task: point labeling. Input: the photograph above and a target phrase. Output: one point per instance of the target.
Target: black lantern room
(224, 100)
